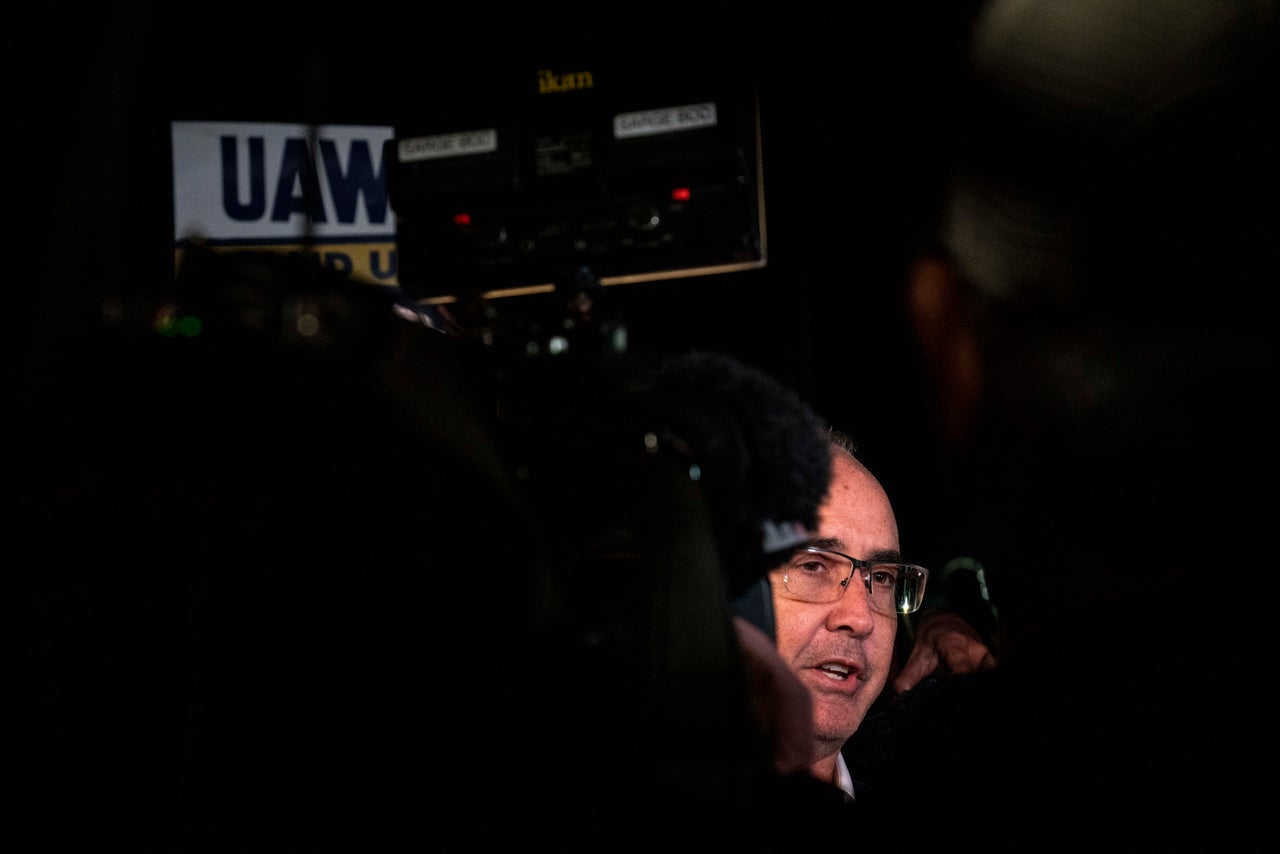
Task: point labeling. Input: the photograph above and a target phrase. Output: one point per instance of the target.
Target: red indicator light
(680, 194)
(462, 219)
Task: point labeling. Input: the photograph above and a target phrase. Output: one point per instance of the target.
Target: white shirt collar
(843, 778)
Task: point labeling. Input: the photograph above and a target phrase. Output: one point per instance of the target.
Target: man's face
(842, 651)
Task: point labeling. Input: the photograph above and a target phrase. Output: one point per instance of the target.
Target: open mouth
(835, 671)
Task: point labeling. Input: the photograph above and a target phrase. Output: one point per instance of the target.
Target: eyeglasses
(821, 575)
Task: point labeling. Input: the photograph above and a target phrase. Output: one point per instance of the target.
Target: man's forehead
(856, 516)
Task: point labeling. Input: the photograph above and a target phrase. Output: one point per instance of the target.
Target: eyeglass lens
(819, 576)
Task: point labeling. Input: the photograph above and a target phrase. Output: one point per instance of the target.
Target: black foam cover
(762, 456)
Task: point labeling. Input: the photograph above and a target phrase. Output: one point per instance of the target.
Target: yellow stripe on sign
(371, 263)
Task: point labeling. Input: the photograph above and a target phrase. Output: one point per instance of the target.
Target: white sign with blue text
(286, 187)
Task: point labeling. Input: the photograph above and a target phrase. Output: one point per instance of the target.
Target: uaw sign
(263, 186)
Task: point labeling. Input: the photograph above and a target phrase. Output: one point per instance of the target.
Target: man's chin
(835, 724)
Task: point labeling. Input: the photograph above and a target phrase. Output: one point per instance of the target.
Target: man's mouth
(837, 672)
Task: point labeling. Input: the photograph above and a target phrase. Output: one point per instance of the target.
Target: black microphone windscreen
(762, 455)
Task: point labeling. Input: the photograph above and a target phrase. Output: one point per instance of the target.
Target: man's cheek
(880, 646)
(793, 626)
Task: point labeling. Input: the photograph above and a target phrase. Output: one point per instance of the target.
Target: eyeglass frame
(865, 566)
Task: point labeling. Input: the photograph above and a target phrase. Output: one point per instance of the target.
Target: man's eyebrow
(836, 544)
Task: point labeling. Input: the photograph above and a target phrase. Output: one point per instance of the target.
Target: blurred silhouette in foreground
(1095, 329)
(327, 573)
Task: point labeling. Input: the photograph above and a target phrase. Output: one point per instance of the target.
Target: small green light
(190, 326)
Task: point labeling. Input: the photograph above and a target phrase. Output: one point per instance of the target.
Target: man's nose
(852, 611)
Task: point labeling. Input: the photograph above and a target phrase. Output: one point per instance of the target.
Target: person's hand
(780, 703)
(942, 637)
